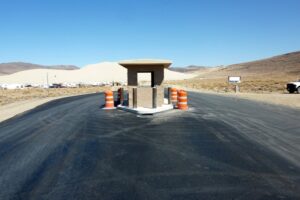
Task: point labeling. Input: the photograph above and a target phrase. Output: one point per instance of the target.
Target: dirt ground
(249, 84)
(10, 110)
(269, 89)
(12, 96)
(284, 99)
(13, 102)
(290, 100)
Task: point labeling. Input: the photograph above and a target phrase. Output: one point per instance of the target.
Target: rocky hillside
(261, 76)
(189, 69)
(286, 64)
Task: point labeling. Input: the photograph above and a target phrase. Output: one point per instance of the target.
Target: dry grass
(249, 84)
(11, 96)
(262, 89)
(263, 76)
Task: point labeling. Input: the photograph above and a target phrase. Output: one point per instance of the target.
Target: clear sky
(188, 32)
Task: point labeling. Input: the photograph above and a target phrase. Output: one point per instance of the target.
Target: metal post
(169, 95)
(237, 89)
(127, 98)
(134, 97)
(154, 97)
(121, 96)
(47, 85)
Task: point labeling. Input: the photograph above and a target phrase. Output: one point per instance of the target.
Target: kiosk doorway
(145, 79)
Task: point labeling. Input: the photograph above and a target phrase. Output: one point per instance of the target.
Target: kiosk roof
(146, 62)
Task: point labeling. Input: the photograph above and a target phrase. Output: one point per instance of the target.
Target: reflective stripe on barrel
(109, 99)
(182, 100)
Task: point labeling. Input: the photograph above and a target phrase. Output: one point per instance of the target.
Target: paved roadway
(223, 148)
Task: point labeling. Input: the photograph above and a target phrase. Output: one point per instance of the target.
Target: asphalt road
(223, 148)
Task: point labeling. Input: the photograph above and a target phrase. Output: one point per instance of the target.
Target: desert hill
(101, 72)
(282, 65)
(189, 69)
(13, 67)
(266, 75)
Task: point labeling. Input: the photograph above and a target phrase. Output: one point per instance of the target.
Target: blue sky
(188, 32)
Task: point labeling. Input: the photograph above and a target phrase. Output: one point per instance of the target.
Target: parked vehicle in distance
(293, 87)
(56, 85)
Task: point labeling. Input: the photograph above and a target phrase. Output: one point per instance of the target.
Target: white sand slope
(101, 72)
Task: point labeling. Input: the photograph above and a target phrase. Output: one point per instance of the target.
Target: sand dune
(101, 72)
(13, 67)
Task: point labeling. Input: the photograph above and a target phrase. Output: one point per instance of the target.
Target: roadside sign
(234, 79)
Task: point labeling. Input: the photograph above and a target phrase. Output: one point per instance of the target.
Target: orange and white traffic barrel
(109, 99)
(173, 95)
(182, 100)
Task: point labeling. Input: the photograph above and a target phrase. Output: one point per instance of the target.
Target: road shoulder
(10, 110)
(288, 100)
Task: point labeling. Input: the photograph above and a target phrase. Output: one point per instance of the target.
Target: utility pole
(47, 80)
(47, 85)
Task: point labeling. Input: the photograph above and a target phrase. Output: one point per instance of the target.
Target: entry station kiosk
(151, 96)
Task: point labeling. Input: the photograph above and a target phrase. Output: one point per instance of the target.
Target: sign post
(235, 80)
